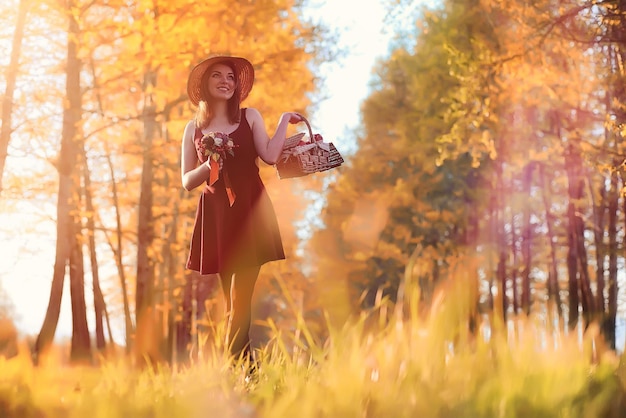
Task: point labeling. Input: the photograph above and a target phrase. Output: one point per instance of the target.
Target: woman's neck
(220, 108)
(220, 113)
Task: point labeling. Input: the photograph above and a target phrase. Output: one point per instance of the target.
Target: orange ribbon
(229, 190)
(215, 174)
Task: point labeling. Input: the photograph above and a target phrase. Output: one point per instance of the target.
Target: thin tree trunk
(609, 323)
(169, 299)
(500, 236)
(161, 297)
(117, 253)
(98, 298)
(554, 293)
(615, 100)
(515, 269)
(169, 272)
(599, 214)
(99, 303)
(580, 282)
(588, 298)
(600, 209)
(572, 247)
(10, 81)
(494, 306)
(526, 240)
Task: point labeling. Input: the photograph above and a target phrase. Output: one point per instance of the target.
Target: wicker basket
(302, 158)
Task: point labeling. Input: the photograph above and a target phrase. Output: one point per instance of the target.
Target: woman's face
(221, 82)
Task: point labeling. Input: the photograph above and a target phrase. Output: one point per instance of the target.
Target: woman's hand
(292, 117)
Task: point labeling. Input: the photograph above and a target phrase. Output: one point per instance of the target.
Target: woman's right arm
(193, 175)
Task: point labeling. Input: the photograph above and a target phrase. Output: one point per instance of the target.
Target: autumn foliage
(102, 125)
(492, 138)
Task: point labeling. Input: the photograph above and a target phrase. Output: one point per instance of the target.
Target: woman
(235, 230)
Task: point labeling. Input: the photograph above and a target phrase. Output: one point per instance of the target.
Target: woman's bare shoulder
(190, 127)
(253, 112)
(189, 132)
(253, 116)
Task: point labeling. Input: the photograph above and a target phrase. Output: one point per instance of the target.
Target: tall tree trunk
(117, 249)
(617, 101)
(526, 240)
(588, 299)
(145, 228)
(572, 247)
(599, 214)
(609, 323)
(171, 268)
(171, 264)
(11, 78)
(492, 301)
(145, 233)
(600, 209)
(66, 203)
(514, 271)
(81, 343)
(162, 297)
(577, 255)
(98, 297)
(99, 303)
(500, 236)
(554, 291)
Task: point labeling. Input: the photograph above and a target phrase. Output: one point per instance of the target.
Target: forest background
(466, 260)
(492, 139)
(28, 253)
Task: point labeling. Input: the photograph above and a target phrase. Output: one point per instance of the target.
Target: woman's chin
(222, 96)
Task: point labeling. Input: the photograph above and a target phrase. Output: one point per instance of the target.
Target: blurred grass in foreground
(383, 365)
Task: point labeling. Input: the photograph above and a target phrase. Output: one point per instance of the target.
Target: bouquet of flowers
(216, 146)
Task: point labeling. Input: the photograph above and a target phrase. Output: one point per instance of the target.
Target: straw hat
(244, 75)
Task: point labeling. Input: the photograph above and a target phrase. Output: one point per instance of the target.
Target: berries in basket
(300, 158)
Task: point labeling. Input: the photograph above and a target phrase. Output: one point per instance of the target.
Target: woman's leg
(238, 289)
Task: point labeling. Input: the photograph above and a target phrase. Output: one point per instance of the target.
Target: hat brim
(244, 74)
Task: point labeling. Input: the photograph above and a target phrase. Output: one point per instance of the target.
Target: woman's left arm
(270, 149)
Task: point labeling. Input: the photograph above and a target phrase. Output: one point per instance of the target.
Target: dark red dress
(226, 238)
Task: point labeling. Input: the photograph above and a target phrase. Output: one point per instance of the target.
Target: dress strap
(243, 117)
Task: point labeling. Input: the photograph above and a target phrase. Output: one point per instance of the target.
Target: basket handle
(308, 125)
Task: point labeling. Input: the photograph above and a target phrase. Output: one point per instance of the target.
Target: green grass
(396, 367)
